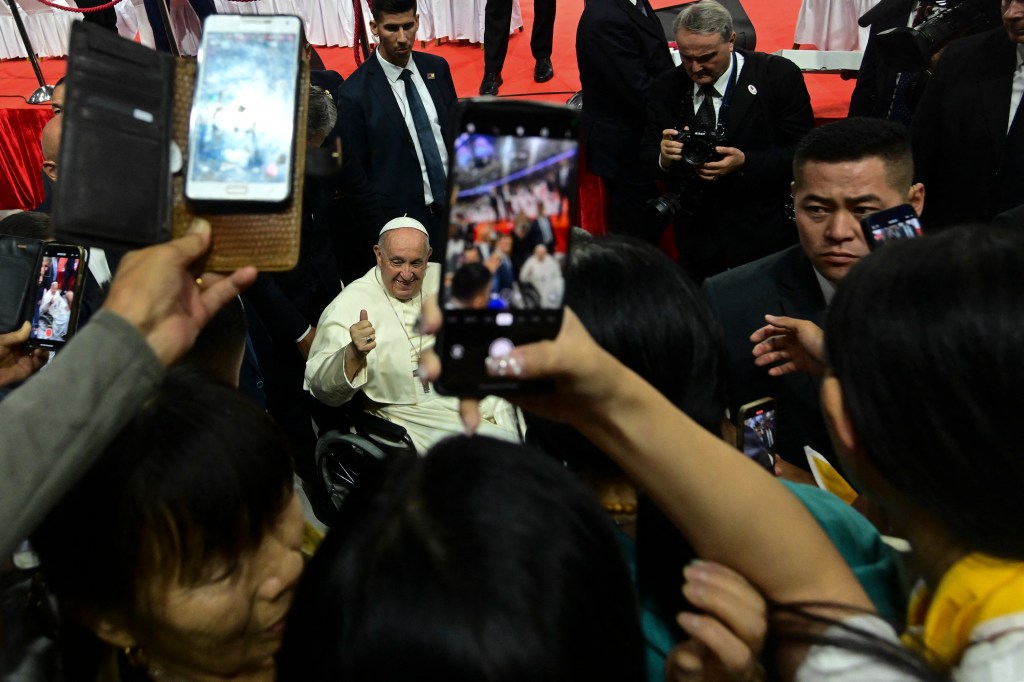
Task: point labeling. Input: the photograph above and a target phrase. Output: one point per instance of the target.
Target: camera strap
(727, 96)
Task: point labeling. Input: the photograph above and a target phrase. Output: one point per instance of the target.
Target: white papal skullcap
(404, 221)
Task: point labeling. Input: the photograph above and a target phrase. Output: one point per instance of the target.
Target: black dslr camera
(699, 145)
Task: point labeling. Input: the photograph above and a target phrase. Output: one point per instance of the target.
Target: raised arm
(729, 508)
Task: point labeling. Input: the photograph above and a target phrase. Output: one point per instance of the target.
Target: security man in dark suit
(620, 50)
(968, 130)
(394, 115)
(842, 171)
(732, 206)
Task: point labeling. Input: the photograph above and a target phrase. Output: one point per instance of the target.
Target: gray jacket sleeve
(54, 426)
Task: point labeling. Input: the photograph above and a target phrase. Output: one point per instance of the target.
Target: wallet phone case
(115, 181)
(19, 276)
(125, 103)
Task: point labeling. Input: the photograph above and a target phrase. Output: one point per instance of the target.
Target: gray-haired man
(733, 203)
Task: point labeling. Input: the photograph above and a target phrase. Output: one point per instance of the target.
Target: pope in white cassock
(367, 340)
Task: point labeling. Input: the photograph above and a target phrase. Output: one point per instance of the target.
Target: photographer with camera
(721, 131)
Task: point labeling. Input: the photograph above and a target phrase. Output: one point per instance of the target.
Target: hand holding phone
(512, 182)
(58, 296)
(17, 360)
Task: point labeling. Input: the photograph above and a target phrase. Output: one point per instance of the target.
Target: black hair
(482, 561)
(28, 224)
(925, 337)
(192, 482)
(382, 7)
(643, 309)
(855, 139)
(470, 280)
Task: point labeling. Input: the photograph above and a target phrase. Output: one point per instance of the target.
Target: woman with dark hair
(482, 561)
(664, 331)
(923, 340)
(180, 547)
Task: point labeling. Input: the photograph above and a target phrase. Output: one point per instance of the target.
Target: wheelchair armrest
(366, 423)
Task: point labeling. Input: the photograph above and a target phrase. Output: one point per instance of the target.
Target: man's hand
(307, 342)
(727, 636)
(796, 345)
(732, 160)
(17, 361)
(364, 338)
(154, 291)
(671, 149)
(493, 261)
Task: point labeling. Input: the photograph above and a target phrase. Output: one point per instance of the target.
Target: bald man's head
(51, 146)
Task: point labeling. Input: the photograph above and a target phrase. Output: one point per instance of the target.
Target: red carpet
(774, 21)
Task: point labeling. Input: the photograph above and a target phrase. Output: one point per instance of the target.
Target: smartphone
(241, 146)
(891, 224)
(512, 182)
(58, 295)
(757, 416)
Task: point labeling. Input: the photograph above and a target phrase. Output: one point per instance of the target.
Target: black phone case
(19, 274)
(114, 189)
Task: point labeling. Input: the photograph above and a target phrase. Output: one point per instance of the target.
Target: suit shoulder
(355, 82)
(668, 80)
(776, 64)
(970, 54)
(432, 60)
(752, 277)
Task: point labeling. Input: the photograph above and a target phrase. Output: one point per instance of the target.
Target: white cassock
(392, 388)
(546, 276)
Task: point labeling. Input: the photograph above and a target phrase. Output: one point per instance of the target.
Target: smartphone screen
(242, 128)
(891, 224)
(58, 295)
(758, 417)
(512, 179)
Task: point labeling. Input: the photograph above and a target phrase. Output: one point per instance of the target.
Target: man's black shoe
(543, 72)
(490, 83)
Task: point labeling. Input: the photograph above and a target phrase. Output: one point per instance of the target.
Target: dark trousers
(498, 21)
(106, 18)
(203, 9)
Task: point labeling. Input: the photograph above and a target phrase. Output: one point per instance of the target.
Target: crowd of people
(624, 524)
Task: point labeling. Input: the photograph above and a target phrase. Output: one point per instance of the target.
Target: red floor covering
(774, 22)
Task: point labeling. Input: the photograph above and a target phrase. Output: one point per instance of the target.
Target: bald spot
(51, 139)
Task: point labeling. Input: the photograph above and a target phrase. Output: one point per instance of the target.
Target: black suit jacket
(375, 137)
(780, 284)
(959, 131)
(619, 52)
(742, 214)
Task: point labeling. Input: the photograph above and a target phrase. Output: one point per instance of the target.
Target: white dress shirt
(393, 74)
(1018, 86)
(720, 86)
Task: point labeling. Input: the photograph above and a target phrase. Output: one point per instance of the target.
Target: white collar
(828, 290)
(393, 71)
(722, 83)
(1020, 55)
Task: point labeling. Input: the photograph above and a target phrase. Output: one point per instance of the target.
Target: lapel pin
(430, 75)
(753, 90)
